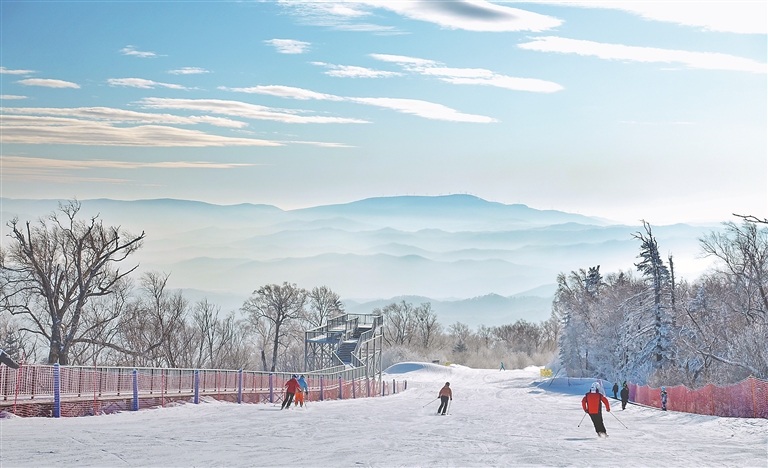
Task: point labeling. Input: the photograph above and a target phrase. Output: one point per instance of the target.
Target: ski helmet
(663, 389)
(593, 388)
(447, 384)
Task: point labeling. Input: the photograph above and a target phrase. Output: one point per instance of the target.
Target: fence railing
(42, 390)
(746, 399)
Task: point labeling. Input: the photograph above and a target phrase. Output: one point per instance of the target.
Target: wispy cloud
(289, 46)
(75, 171)
(70, 131)
(348, 71)
(9, 97)
(5, 71)
(743, 17)
(142, 83)
(112, 115)
(188, 71)
(471, 15)
(699, 60)
(321, 144)
(18, 162)
(469, 76)
(416, 107)
(242, 110)
(285, 92)
(131, 50)
(427, 110)
(48, 83)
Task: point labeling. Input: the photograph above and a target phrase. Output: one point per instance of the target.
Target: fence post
(135, 390)
(240, 386)
(56, 391)
(197, 386)
(394, 387)
(271, 388)
(322, 392)
(405, 385)
(353, 389)
(341, 389)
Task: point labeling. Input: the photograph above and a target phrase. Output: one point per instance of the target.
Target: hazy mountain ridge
(378, 247)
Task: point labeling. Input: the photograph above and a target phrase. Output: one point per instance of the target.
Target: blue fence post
(322, 387)
(197, 386)
(271, 388)
(56, 391)
(135, 390)
(353, 389)
(240, 386)
(341, 391)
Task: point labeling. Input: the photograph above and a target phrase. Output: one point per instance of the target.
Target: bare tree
(323, 304)
(53, 268)
(275, 307)
(427, 327)
(399, 322)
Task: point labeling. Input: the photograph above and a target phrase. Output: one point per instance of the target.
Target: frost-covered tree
(654, 327)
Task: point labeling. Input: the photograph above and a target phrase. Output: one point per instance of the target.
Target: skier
(624, 395)
(615, 390)
(502, 367)
(591, 403)
(444, 395)
(663, 399)
(5, 359)
(291, 387)
(303, 390)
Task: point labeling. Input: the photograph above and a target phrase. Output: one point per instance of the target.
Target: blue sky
(625, 110)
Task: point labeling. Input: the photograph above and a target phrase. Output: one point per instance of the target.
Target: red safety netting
(746, 399)
(29, 391)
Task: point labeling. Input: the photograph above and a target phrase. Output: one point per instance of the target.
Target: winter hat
(593, 388)
(663, 389)
(447, 384)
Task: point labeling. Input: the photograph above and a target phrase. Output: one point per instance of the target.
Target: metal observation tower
(351, 343)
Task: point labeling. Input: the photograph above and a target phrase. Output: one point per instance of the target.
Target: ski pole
(582, 419)
(430, 402)
(617, 419)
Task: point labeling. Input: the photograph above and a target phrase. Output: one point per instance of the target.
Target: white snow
(497, 418)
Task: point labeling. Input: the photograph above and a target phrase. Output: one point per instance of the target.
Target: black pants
(623, 403)
(597, 420)
(443, 405)
(288, 400)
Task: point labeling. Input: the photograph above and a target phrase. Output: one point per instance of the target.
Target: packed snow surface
(497, 418)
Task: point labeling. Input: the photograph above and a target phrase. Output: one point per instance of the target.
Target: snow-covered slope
(496, 419)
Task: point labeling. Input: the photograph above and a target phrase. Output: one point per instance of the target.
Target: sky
(623, 110)
(495, 419)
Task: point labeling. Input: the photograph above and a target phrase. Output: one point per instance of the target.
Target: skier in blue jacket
(303, 390)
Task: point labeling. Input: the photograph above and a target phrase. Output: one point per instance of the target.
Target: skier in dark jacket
(291, 387)
(615, 390)
(592, 405)
(663, 399)
(624, 395)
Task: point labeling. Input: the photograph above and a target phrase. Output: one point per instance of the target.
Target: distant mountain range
(480, 254)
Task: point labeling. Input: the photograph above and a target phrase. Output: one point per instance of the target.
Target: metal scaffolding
(351, 341)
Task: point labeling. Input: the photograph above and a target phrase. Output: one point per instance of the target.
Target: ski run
(497, 418)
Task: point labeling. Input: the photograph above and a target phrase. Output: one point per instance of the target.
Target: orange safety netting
(746, 399)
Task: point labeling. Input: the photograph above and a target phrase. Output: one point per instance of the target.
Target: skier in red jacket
(291, 387)
(592, 404)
